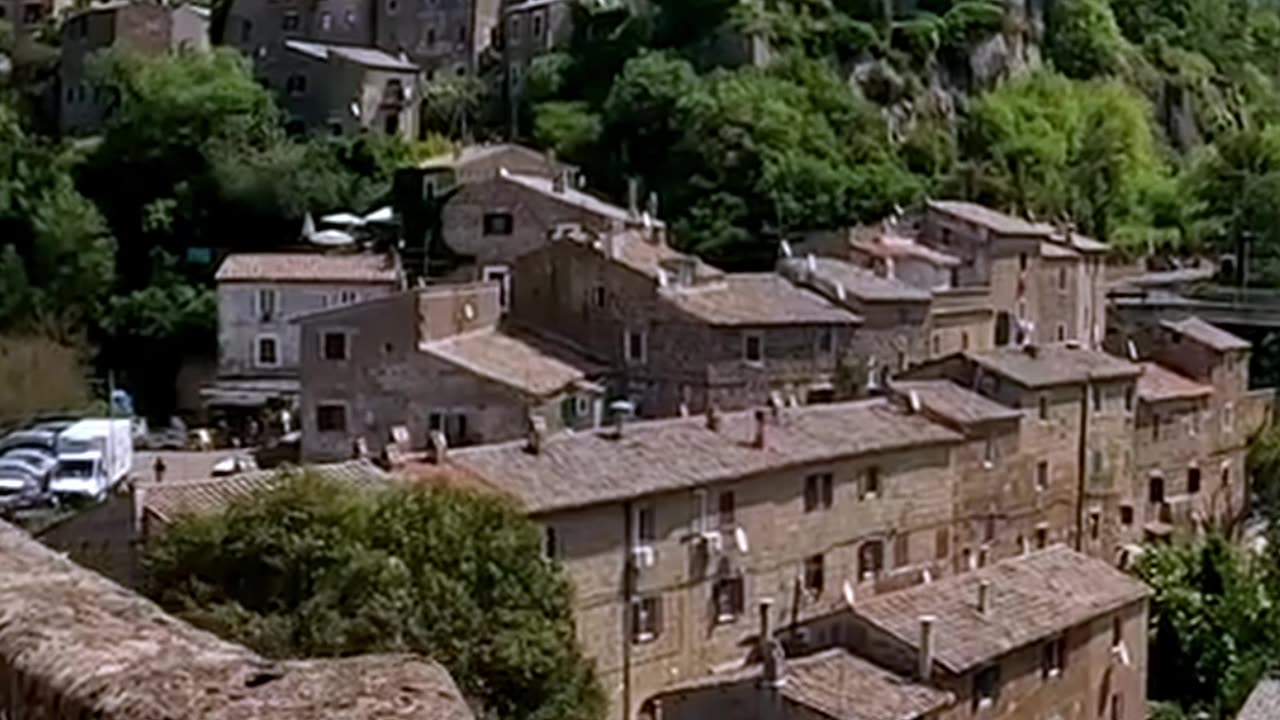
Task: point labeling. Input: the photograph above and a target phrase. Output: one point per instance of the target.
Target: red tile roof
(309, 267)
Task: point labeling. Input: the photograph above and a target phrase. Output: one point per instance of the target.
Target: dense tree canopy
(316, 568)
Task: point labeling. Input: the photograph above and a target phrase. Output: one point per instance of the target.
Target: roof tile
(1047, 365)
(309, 267)
(1207, 334)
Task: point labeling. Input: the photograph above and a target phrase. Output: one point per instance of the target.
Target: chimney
(772, 657)
(759, 440)
(553, 167)
(984, 597)
(438, 448)
(713, 418)
(620, 409)
(633, 198)
(612, 241)
(766, 626)
(537, 434)
(359, 449)
(924, 659)
(560, 181)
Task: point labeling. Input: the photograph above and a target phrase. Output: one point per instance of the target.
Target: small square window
(645, 526)
(1095, 524)
(646, 619)
(1155, 489)
(331, 417)
(942, 543)
(728, 509)
(727, 598)
(334, 346)
(636, 349)
(501, 223)
(813, 575)
(901, 550)
(1128, 397)
(550, 543)
(1062, 278)
(753, 348)
(826, 341)
(1044, 408)
(1193, 480)
(267, 352)
(1062, 332)
(986, 686)
(598, 296)
(1052, 657)
(964, 341)
(869, 485)
(818, 492)
(1042, 538)
(1126, 515)
(1042, 475)
(267, 301)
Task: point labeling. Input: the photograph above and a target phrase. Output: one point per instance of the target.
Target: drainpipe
(1082, 453)
(628, 595)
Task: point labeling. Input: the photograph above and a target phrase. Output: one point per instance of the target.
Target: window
(1042, 538)
(986, 685)
(1042, 475)
(246, 31)
(296, 85)
(937, 344)
(291, 21)
(392, 6)
(431, 36)
(646, 619)
(453, 425)
(869, 484)
(901, 550)
(1117, 707)
(267, 301)
(726, 596)
(989, 452)
(1155, 427)
(635, 349)
(326, 21)
(870, 559)
(826, 341)
(964, 340)
(1155, 489)
(1022, 261)
(1128, 397)
(1193, 480)
(989, 528)
(500, 223)
(1226, 477)
(753, 348)
(348, 297)
(513, 29)
(645, 526)
(1044, 408)
(333, 346)
(462, 38)
(391, 124)
(501, 275)
(349, 17)
(331, 417)
(537, 26)
(1098, 462)
(550, 544)
(1095, 524)
(1062, 332)
(1097, 398)
(1227, 417)
(1062, 278)
(1126, 515)
(598, 296)
(818, 492)
(942, 543)
(267, 351)
(813, 575)
(1117, 631)
(727, 509)
(1052, 656)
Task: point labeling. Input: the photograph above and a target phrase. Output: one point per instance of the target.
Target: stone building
(529, 29)
(1073, 453)
(258, 297)
(110, 537)
(670, 530)
(348, 89)
(676, 332)
(75, 645)
(140, 27)
(1046, 284)
(433, 359)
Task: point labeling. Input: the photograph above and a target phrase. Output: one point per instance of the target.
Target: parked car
(40, 461)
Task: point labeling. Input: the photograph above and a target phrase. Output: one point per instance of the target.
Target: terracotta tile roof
(759, 299)
(1047, 365)
(993, 220)
(308, 267)
(170, 500)
(1263, 702)
(1054, 251)
(954, 403)
(573, 196)
(580, 469)
(518, 361)
(1158, 383)
(633, 249)
(838, 685)
(890, 245)
(1082, 243)
(829, 274)
(1206, 334)
(1031, 598)
(474, 153)
(117, 656)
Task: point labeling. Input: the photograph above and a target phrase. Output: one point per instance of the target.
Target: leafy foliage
(316, 568)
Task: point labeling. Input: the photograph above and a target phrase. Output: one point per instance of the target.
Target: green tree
(569, 128)
(315, 568)
(1214, 625)
(1084, 40)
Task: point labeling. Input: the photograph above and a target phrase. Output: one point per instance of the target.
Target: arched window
(870, 559)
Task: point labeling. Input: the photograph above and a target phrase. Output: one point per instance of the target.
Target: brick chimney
(924, 659)
(760, 440)
(984, 597)
(621, 410)
(536, 435)
(713, 418)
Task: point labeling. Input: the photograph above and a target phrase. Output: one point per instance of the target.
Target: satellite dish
(740, 539)
(331, 238)
(381, 215)
(848, 593)
(343, 218)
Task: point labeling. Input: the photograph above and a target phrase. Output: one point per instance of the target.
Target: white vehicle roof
(89, 455)
(92, 428)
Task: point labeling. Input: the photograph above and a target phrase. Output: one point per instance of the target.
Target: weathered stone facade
(432, 359)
